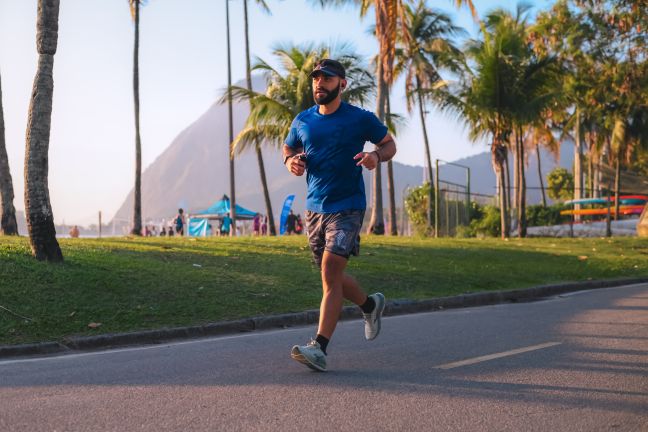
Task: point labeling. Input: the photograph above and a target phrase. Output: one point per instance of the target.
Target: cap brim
(323, 71)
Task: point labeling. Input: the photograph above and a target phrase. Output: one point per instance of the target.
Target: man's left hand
(368, 160)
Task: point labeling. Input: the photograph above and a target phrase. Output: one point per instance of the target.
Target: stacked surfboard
(628, 205)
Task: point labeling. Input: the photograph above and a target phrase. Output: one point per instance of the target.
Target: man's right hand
(295, 165)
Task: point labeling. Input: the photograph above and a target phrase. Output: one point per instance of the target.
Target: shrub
(488, 223)
(416, 204)
(539, 215)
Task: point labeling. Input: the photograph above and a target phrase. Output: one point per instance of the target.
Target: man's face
(326, 88)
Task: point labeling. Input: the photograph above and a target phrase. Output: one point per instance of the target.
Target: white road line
(496, 355)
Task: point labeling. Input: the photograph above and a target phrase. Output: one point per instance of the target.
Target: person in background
(256, 225)
(179, 222)
(226, 225)
(264, 226)
(299, 227)
(74, 232)
(291, 221)
(163, 232)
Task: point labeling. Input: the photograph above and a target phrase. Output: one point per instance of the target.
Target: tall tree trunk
(377, 224)
(542, 188)
(393, 229)
(507, 187)
(262, 174)
(38, 209)
(597, 179)
(590, 167)
(428, 156)
(498, 158)
(516, 171)
(522, 229)
(231, 126)
(617, 185)
(578, 164)
(137, 193)
(8, 224)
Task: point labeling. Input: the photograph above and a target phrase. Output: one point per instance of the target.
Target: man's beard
(329, 97)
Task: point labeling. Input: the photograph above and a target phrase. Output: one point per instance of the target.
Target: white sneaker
(311, 355)
(372, 319)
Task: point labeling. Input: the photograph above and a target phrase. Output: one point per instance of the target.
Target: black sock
(368, 306)
(322, 341)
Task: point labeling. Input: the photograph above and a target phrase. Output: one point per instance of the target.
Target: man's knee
(333, 269)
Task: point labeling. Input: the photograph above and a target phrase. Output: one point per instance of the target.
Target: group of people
(259, 225)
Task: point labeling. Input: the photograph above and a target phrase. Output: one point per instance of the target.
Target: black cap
(330, 68)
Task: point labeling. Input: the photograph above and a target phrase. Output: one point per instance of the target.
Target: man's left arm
(385, 151)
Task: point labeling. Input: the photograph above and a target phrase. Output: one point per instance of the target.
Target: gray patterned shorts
(337, 233)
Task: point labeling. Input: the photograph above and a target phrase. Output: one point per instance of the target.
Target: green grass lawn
(143, 283)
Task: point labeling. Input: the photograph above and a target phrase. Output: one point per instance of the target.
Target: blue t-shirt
(330, 143)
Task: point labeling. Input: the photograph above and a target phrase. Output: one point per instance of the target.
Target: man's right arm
(295, 165)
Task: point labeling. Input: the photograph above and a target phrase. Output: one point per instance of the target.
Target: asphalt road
(578, 362)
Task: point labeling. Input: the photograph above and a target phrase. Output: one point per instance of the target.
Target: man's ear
(344, 83)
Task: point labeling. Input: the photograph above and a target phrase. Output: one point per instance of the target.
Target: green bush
(416, 205)
(486, 222)
(539, 215)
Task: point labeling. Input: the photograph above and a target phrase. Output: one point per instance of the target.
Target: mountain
(193, 172)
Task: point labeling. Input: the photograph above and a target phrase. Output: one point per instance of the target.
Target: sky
(183, 70)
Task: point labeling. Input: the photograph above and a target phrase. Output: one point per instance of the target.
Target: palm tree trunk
(617, 185)
(262, 174)
(578, 164)
(137, 193)
(507, 188)
(8, 224)
(589, 188)
(514, 146)
(499, 165)
(231, 126)
(393, 229)
(377, 224)
(38, 209)
(542, 188)
(428, 157)
(522, 188)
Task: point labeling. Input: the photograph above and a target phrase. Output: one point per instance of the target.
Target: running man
(327, 142)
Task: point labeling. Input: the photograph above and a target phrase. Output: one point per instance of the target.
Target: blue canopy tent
(198, 225)
(221, 208)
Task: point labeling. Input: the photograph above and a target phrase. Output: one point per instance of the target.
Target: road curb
(394, 307)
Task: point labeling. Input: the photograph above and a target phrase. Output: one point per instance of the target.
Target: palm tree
(425, 46)
(488, 96)
(540, 135)
(389, 20)
(230, 117)
(8, 225)
(38, 209)
(262, 174)
(289, 92)
(137, 192)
